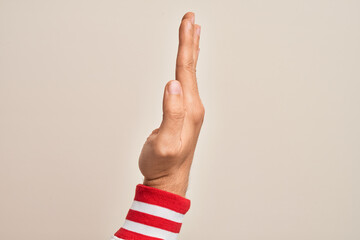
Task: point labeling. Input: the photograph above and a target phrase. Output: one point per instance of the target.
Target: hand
(167, 154)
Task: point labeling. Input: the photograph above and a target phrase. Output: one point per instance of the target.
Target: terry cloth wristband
(154, 215)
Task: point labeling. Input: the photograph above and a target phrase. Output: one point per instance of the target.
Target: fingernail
(174, 87)
(193, 18)
(198, 30)
(189, 24)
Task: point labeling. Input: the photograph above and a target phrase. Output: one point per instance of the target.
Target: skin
(168, 152)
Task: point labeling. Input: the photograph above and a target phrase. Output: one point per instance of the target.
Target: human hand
(167, 154)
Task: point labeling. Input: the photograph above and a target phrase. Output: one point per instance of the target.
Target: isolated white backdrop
(81, 86)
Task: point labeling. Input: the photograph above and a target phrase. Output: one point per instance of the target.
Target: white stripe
(116, 238)
(157, 211)
(149, 231)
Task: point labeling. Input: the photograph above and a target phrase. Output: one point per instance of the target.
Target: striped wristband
(154, 215)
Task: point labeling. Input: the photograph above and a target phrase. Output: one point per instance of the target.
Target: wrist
(170, 183)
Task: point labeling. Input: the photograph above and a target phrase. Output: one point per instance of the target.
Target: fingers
(186, 58)
(173, 115)
(197, 32)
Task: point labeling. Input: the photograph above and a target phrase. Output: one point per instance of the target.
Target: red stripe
(153, 221)
(162, 198)
(129, 235)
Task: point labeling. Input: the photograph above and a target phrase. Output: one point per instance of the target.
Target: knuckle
(178, 114)
(164, 150)
(187, 66)
(199, 114)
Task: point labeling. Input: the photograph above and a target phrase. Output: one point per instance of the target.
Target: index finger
(186, 58)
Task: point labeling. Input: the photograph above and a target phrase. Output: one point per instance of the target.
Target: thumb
(173, 113)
